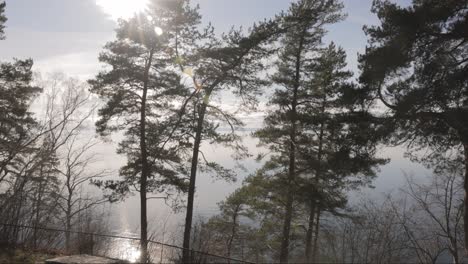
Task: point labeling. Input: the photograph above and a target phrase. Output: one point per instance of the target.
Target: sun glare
(158, 31)
(134, 255)
(122, 8)
(128, 251)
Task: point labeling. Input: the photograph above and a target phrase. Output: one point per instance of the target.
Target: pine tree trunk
(465, 186)
(284, 252)
(315, 254)
(193, 175)
(313, 202)
(310, 230)
(233, 233)
(144, 167)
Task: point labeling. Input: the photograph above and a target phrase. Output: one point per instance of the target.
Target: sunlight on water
(129, 251)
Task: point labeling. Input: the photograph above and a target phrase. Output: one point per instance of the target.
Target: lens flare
(158, 31)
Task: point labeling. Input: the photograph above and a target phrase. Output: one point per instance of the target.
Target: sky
(67, 36)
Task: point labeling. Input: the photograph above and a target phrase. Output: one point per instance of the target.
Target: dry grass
(23, 256)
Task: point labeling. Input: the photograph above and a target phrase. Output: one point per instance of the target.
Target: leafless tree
(434, 222)
(420, 223)
(30, 182)
(75, 172)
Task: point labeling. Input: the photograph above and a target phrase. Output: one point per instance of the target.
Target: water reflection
(120, 248)
(130, 251)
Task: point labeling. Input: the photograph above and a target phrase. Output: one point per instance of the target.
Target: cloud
(25, 43)
(57, 16)
(81, 65)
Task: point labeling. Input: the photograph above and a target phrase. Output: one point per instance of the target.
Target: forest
(163, 94)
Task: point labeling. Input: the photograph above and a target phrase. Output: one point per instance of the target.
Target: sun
(122, 8)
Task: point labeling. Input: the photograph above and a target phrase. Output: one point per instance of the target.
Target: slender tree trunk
(196, 149)
(310, 230)
(315, 254)
(67, 231)
(144, 167)
(284, 252)
(465, 185)
(343, 250)
(233, 233)
(17, 219)
(193, 175)
(68, 213)
(38, 209)
(68, 223)
(313, 202)
(454, 256)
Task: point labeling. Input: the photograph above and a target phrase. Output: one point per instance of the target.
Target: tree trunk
(38, 209)
(233, 232)
(193, 175)
(310, 230)
(284, 253)
(68, 226)
(68, 213)
(465, 186)
(313, 202)
(67, 233)
(315, 254)
(144, 167)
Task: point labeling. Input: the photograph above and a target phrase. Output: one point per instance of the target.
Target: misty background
(67, 36)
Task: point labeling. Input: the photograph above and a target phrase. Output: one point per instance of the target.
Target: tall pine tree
(416, 66)
(16, 120)
(336, 150)
(305, 21)
(141, 90)
(231, 63)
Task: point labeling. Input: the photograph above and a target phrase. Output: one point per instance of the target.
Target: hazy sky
(67, 36)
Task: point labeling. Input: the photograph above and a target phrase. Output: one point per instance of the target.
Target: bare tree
(434, 221)
(30, 181)
(76, 171)
(422, 223)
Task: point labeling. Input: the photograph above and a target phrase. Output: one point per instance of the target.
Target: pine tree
(305, 21)
(227, 228)
(233, 64)
(141, 90)
(16, 121)
(336, 153)
(416, 66)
